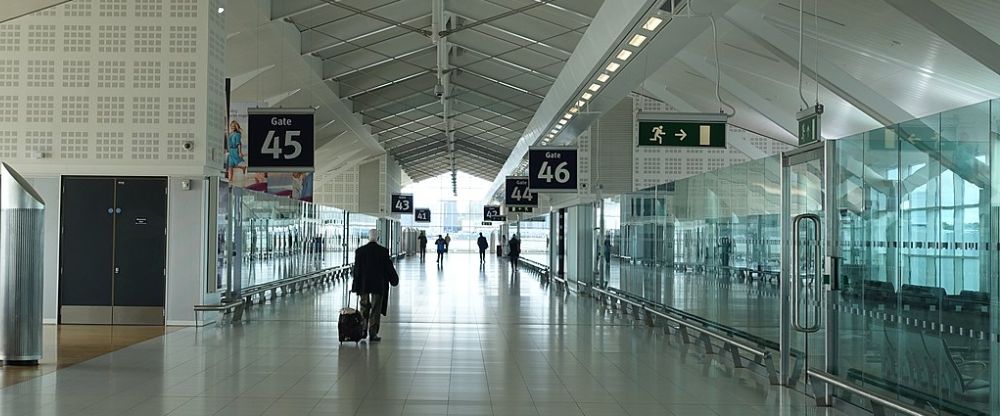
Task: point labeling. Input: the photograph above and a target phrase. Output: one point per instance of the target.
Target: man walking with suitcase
(373, 274)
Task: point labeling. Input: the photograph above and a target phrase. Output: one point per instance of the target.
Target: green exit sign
(809, 124)
(708, 130)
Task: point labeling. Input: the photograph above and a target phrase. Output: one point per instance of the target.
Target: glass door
(804, 327)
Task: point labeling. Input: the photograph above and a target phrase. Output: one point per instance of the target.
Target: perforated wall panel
(113, 86)
(657, 165)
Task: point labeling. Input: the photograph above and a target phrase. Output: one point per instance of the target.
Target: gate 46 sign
(280, 140)
(552, 169)
(517, 192)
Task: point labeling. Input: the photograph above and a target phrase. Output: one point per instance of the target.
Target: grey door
(113, 251)
(140, 250)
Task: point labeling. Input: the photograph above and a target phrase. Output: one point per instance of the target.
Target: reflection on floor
(65, 345)
(461, 339)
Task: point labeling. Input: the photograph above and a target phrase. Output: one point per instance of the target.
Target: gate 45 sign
(552, 169)
(518, 193)
(402, 203)
(280, 140)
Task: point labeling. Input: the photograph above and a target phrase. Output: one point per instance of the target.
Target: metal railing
(238, 302)
(535, 267)
(879, 403)
(735, 347)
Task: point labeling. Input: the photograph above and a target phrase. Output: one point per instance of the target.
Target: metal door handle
(796, 283)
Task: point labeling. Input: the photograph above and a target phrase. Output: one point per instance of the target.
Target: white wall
(187, 251)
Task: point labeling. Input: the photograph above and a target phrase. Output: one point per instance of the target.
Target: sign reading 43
(518, 192)
(552, 169)
(402, 203)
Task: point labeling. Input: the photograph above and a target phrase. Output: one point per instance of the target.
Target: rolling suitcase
(351, 324)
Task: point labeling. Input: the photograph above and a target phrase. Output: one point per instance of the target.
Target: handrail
(873, 397)
(683, 326)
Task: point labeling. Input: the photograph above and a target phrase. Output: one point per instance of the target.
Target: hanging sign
(517, 208)
(518, 193)
(280, 140)
(422, 215)
(401, 203)
(682, 130)
(809, 124)
(552, 169)
(492, 213)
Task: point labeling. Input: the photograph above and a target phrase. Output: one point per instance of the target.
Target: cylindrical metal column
(22, 216)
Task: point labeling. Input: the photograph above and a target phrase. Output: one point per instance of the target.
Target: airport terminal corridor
(461, 339)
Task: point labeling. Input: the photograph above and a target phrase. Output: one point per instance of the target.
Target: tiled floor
(463, 339)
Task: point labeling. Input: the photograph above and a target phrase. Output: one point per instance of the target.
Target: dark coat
(423, 241)
(481, 242)
(515, 247)
(374, 272)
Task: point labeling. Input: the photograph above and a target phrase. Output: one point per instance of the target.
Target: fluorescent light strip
(637, 40)
(624, 54)
(603, 78)
(652, 23)
(574, 109)
(586, 96)
(612, 67)
(594, 87)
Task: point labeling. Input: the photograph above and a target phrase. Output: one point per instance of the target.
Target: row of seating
(915, 296)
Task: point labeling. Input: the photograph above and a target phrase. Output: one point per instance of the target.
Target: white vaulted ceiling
(517, 65)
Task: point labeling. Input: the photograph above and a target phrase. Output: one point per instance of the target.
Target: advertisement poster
(295, 185)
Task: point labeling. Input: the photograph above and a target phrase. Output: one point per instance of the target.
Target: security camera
(188, 145)
(438, 90)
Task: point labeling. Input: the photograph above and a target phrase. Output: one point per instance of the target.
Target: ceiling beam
(397, 58)
(501, 83)
(520, 36)
(510, 64)
(953, 30)
(748, 19)
(386, 84)
(351, 40)
(507, 13)
(375, 16)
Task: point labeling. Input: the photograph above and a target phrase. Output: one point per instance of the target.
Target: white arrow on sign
(682, 135)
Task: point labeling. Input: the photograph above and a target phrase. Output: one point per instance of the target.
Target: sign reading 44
(517, 192)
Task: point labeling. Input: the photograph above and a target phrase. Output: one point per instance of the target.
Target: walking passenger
(442, 246)
(423, 245)
(373, 274)
(514, 252)
(483, 245)
(447, 242)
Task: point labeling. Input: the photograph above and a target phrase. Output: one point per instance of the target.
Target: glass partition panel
(275, 237)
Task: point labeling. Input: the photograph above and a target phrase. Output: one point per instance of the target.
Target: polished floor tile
(460, 339)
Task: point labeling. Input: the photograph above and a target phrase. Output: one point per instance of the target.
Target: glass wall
(918, 230)
(534, 235)
(276, 237)
(917, 225)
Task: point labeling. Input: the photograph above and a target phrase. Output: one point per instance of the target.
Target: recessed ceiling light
(594, 87)
(624, 54)
(652, 23)
(586, 96)
(581, 103)
(557, 127)
(221, 9)
(562, 122)
(603, 78)
(555, 131)
(574, 110)
(612, 67)
(568, 116)
(637, 40)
